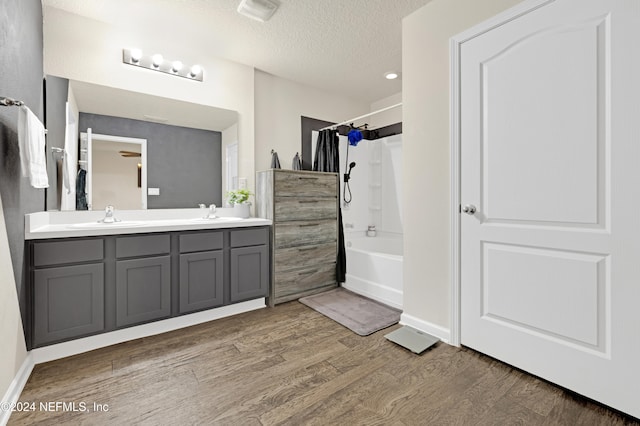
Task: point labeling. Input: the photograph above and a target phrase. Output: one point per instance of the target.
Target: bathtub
(374, 267)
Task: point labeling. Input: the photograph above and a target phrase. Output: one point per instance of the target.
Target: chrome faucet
(108, 215)
(211, 214)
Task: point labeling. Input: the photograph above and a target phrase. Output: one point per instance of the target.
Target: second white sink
(102, 225)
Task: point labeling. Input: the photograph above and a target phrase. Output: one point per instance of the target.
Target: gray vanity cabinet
(143, 279)
(89, 285)
(201, 271)
(249, 264)
(68, 290)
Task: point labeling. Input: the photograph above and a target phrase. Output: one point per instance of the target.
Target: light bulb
(176, 66)
(136, 55)
(157, 60)
(195, 70)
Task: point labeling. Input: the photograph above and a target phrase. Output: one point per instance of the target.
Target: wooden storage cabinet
(304, 209)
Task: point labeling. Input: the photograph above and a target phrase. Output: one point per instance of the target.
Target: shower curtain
(327, 159)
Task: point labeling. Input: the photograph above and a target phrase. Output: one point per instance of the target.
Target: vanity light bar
(156, 62)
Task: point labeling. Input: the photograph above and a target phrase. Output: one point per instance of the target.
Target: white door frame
(455, 45)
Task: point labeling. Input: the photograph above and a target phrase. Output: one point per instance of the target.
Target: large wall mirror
(186, 158)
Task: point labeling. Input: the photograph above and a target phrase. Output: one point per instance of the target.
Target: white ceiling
(342, 46)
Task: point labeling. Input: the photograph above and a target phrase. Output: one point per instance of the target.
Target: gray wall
(56, 93)
(184, 163)
(20, 78)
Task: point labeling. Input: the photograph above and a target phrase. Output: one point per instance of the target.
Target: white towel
(32, 148)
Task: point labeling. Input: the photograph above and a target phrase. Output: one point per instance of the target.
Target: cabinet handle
(307, 248)
(307, 178)
(308, 272)
(307, 201)
(308, 224)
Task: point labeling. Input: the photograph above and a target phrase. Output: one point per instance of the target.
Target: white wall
(91, 51)
(13, 351)
(425, 89)
(279, 105)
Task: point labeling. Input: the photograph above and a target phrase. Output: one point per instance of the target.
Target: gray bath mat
(359, 314)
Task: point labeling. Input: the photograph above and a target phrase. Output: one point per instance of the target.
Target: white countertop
(65, 224)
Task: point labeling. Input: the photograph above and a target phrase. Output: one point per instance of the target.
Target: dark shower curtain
(327, 159)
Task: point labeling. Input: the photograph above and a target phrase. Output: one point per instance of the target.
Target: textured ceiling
(342, 46)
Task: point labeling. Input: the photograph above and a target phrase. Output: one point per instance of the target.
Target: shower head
(352, 164)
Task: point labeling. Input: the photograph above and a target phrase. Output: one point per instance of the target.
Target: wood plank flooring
(291, 365)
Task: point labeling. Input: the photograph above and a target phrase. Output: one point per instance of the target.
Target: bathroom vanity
(86, 280)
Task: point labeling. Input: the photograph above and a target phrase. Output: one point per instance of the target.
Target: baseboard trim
(440, 332)
(15, 388)
(86, 344)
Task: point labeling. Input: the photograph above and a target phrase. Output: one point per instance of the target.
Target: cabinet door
(68, 302)
(249, 273)
(201, 280)
(143, 290)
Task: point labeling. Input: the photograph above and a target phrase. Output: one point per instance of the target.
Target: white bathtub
(374, 268)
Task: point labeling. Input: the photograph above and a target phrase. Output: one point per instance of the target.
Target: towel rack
(4, 101)
(10, 102)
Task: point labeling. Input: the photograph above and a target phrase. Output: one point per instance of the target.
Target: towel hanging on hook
(275, 162)
(297, 164)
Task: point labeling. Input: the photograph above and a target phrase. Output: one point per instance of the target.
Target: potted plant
(239, 199)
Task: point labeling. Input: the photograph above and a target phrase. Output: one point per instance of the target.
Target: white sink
(102, 225)
(217, 219)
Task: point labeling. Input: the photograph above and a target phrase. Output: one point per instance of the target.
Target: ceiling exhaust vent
(260, 10)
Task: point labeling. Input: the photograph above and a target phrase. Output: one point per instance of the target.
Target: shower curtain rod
(333, 126)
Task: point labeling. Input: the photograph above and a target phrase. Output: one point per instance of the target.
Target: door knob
(469, 209)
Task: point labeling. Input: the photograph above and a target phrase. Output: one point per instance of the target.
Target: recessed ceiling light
(391, 75)
(260, 10)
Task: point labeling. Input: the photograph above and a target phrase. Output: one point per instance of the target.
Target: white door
(550, 158)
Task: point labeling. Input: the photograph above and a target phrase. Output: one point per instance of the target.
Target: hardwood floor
(291, 365)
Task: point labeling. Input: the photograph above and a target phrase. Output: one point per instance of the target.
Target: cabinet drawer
(305, 233)
(142, 246)
(297, 257)
(305, 279)
(300, 208)
(202, 241)
(249, 237)
(71, 251)
(306, 184)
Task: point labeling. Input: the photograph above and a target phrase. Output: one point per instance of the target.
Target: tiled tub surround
(89, 288)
